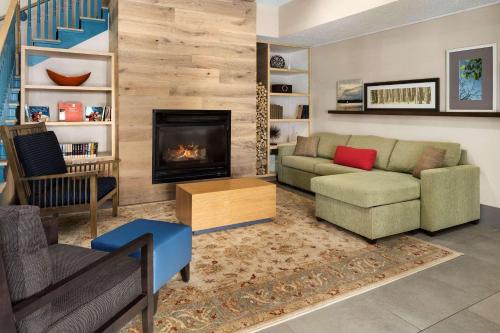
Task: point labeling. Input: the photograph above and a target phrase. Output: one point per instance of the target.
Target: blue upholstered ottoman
(171, 247)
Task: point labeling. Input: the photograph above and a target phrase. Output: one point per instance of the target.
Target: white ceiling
(393, 15)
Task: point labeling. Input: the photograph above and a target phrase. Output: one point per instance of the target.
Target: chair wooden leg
(147, 319)
(115, 205)
(93, 221)
(147, 286)
(156, 299)
(93, 207)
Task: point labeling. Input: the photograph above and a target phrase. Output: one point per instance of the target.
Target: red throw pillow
(355, 157)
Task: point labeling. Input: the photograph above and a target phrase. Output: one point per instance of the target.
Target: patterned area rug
(246, 278)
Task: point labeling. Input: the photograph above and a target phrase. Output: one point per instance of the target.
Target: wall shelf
(66, 88)
(289, 71)
(289, 120)
(102, 156)
(289, 94)
(418, 113)
(66, 53)
(79, 123)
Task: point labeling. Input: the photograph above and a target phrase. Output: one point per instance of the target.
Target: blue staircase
(64, 24)
(9, 83)
(8, 116)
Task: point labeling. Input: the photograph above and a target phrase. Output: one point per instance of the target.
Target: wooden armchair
(73, 288)
(83, 186)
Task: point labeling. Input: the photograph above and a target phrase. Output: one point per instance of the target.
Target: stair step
(42, 40)
(92, 18)
(70, 29)
(87, 27)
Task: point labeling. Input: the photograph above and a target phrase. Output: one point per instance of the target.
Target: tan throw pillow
(307, 146)
(431, 158)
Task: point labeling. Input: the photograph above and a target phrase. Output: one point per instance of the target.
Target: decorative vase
(62, 80)
(277, 61)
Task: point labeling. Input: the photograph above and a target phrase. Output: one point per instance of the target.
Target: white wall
(416, 51)
(268, 20)
(4, 5)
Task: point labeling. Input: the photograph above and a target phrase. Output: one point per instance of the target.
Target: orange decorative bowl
(62, 80)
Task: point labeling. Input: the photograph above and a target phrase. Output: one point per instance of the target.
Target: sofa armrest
(449, 197)
(286, 149)
(51, 229)
(7, 320)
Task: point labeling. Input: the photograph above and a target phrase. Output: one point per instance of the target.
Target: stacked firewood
(261, 129)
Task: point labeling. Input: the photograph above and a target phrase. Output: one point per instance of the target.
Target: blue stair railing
(46, 17)
(9, 83)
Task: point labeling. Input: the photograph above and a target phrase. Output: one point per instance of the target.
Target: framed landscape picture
(407, 95)
(350, 95)
(472, 79)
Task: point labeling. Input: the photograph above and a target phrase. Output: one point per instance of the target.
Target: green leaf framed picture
(472, 81)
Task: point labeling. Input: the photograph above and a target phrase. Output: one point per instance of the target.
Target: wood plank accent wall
(181, 54)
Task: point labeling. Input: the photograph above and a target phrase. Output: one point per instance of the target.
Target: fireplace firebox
(190, 145)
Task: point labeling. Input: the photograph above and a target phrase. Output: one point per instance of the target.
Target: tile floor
(462, 295)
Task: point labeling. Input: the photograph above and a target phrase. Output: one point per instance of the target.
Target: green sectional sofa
(387, 200)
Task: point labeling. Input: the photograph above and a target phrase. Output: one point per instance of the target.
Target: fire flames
(185, 153)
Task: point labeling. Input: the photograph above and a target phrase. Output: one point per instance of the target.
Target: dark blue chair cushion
(67, 192)
(40, 154)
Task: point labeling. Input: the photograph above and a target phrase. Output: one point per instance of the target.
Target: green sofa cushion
(368, 189)
(303, 163)
(383, 146)
(328, 143)
(407, 153)
(325, 169)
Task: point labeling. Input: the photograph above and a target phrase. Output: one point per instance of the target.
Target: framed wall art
(472, 79)
(406, 95)
(350, 95)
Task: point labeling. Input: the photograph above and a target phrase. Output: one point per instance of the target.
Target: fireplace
(190, 145)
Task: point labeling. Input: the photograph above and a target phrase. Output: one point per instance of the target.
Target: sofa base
(371, 223)
(296, 178)
(368, 240)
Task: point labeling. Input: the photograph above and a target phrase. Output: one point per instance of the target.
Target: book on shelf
(70, 111)
(36, 114)
(302, 112)
(98, 113)
(79, 150)
(94, 113)
(276, 111)
(106, 116)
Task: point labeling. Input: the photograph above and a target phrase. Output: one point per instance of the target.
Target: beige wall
(181, 55)
(416, 51)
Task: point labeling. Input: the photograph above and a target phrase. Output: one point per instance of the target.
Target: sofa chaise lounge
(387, 200)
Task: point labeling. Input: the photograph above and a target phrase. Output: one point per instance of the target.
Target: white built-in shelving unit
(297, 72)
(38, 90)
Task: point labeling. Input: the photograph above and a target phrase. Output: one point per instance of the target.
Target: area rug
(248, 278)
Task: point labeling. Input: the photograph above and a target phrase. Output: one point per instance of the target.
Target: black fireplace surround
(190, 145)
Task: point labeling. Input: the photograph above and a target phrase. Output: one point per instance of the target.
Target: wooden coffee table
(211, 205)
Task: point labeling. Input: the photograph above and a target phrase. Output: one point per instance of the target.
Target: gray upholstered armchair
(51, 287)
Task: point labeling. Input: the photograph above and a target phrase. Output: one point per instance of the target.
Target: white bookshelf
(38, 90)
(297, 72)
